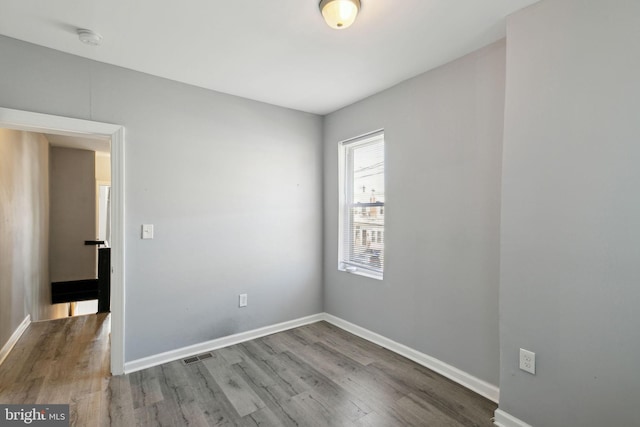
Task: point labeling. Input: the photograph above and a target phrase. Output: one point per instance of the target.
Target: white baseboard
(503, 419)
(181, 353)
(477, 385)
(13, 339)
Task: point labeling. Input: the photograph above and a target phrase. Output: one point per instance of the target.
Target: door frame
(46, 123)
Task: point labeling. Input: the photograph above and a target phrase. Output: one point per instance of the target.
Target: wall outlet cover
(528, 361)
(242, 300)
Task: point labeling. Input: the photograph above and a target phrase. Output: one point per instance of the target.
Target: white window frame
(345, 182)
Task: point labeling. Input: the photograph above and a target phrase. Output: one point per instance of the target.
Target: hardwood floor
(315, 375)
(61, 361)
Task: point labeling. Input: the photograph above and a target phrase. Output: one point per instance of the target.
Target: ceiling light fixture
(89, 37)
(339, 14)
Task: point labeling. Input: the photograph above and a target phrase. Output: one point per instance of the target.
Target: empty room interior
(337, 212)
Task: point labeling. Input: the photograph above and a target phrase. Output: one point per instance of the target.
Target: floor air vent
(204, 356)
(189, 360)
(195, 359)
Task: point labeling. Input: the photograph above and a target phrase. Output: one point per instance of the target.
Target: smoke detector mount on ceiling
(89, 37)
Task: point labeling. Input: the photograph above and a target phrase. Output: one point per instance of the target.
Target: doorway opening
(98, 131)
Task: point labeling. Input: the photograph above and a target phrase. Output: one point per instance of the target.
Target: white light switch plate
(147, 231)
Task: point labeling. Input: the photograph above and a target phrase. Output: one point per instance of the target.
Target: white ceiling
(100, 145)
(277, 51)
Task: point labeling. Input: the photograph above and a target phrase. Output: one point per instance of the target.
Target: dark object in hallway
(104, 280)
(88, 289)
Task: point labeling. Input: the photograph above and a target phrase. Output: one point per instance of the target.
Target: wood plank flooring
(315, 375)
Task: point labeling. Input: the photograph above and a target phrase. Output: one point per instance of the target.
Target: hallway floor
(61, 361)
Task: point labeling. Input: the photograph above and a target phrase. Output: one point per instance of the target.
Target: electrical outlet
(242, 300)
(528, 361)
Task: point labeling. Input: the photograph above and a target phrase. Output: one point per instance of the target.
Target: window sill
(361, 272)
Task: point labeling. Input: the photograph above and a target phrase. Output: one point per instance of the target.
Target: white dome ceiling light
(89, 37)
(339, 14)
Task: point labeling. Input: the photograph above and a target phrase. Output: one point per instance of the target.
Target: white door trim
(46, 123)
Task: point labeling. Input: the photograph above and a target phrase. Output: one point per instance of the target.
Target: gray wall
(571, 214)
(72, 183)
(232, 186)
(24, 231)
(443, 133)
(20, 249)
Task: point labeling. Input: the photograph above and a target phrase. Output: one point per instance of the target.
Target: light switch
(147, 231)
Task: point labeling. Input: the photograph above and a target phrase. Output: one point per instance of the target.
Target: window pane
(368, 173)
(365, 195)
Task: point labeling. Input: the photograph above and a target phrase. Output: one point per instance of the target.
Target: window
(362, 198)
